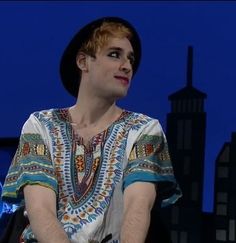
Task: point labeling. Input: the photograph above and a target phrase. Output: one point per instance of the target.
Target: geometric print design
(85, 177)
(150, 144)
(32, 160)
(94, 170)
(149, 159)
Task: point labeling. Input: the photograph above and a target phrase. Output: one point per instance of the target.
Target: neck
(90, 110)
(93, 109)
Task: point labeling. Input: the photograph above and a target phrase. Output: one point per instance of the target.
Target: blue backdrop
(34, 34)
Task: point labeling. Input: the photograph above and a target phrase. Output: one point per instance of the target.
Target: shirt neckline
(98, 138)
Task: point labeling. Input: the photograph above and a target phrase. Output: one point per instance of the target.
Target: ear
(81, 61)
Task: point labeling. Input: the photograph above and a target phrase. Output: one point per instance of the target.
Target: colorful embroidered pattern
(86, 177)
(149, 160)
(31, 165)
(94, 172)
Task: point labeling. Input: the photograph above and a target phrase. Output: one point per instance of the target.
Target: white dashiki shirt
(89, 181)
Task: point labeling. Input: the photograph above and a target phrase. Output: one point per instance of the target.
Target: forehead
(121, 43)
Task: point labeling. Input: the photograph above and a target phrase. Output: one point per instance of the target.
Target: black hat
(70, 74)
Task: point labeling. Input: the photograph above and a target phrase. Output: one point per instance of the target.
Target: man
(91, 172)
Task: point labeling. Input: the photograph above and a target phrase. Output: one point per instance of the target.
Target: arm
(139, 198)
(41, 208)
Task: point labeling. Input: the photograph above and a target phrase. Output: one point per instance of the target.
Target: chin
(118, 93)
(121, 95)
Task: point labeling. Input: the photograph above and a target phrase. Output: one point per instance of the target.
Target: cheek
(105, 71)
(100, 76)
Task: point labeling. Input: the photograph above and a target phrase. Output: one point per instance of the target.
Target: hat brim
(69, 72)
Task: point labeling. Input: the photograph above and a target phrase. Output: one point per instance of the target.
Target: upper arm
(143, 193)
(38, 198)
(149, 161)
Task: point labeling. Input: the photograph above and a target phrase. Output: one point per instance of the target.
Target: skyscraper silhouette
(186, 125)
(225, 193)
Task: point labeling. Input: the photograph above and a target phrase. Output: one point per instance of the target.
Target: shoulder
(144, 121)
(42, 117)
(46, 113)
(49, 114)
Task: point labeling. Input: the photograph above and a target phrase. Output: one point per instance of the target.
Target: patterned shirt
(89, 181)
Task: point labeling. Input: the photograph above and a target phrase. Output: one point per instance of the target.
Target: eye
(132, 60)
(114, 54)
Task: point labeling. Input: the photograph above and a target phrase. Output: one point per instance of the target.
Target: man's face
(111, 71)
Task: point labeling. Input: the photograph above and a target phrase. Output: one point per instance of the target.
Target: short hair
(102, 35)
(89, 39)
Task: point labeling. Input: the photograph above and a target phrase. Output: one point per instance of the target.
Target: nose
(126, 66)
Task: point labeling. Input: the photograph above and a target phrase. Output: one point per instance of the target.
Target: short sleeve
(32, 163)
(149, 161)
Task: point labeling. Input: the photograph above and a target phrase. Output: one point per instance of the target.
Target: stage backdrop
(34, 34)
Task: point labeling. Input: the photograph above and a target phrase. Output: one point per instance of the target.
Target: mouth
(123, 80)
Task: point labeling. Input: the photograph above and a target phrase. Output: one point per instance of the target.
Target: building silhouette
(186, 129)
(208, 227)
(225, 193)
(8, 147)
